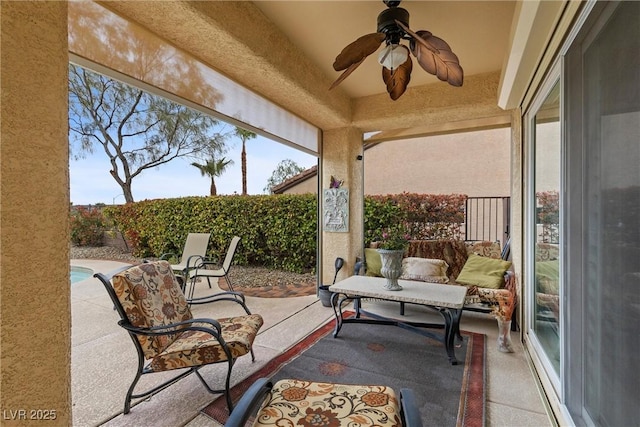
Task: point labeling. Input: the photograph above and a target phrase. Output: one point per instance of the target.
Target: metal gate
(487, 218)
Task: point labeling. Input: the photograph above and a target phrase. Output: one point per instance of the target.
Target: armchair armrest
(195, 261)
(249, 403)
(173, 328)
(211, 261)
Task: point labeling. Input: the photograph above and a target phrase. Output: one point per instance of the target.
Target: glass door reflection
(546, 264)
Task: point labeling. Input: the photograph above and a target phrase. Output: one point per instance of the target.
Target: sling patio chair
(195, 249)
(202, 269)
(293, 402)
(155, 313)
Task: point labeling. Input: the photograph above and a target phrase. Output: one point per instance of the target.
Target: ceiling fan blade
(443, 62)
(435, 56)
(346, 73)
(397, 80)
(358, 50)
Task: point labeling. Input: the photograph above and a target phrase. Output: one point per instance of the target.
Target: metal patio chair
(155, 313)
(195, 249)
(202, 269)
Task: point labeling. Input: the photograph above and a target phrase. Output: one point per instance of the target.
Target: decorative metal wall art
(336, 210)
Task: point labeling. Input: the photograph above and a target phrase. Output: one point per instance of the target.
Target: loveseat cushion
(484, 248)
(453, 252)
(424, 270)
(483, 272)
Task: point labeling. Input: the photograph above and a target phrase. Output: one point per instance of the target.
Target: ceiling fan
(433, 54)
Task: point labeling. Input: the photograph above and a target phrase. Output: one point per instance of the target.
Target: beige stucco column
(517, 207)
(35, 326)
(340, 151)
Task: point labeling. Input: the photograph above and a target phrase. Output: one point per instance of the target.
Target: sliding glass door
(543, 234)
(602, 71)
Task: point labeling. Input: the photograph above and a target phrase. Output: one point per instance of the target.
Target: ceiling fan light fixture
(393, 56)
(434, 55)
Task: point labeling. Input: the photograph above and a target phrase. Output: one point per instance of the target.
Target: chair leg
(192, 288)
(226, 391)
(188, 293)
(129, 396)
(226, 277)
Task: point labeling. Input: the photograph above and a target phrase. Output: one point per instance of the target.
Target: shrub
(87, 226)
(429, 216)
(277, 231)
(548, 215)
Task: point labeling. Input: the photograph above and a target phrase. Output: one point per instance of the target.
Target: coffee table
(448, 300)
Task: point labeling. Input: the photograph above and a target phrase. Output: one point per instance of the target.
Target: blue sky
(91, 182)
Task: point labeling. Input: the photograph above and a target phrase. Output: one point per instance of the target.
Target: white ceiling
(477, 31)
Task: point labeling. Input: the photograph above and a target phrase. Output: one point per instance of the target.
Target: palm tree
(213, 168)
(244, 135)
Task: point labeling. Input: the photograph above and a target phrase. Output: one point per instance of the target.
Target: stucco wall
(471, 163)
(34, 262)
(338, 145)
(307, 186)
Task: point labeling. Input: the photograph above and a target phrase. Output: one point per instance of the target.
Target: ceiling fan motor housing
(387, 23)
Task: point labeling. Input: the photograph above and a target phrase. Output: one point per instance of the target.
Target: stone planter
(391, 267)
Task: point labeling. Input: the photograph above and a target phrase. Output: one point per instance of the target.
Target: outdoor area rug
(448, 395)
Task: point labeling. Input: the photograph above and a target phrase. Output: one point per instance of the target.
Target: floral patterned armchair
(155, 313)
(291, 402)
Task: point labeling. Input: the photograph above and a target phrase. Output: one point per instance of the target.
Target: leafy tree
(213, 169)
(135, 129)
(285, 170)
(244, 135)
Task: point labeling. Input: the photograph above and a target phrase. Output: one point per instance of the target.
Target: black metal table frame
(451, 323)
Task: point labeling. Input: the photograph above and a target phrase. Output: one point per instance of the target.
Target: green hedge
(427, 216)
(277, 231)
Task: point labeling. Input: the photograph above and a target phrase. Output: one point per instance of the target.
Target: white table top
(434, 294)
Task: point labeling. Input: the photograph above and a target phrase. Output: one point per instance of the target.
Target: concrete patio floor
(103, 360)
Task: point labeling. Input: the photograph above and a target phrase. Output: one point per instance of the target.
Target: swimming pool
(80, 273)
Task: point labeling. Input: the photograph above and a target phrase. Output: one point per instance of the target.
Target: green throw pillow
(374, 262)
(483, 272)
(548, 276)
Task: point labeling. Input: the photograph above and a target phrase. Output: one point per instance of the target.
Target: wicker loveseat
(500, 301)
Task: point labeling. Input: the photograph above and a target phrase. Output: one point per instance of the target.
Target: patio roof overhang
(240, 41)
